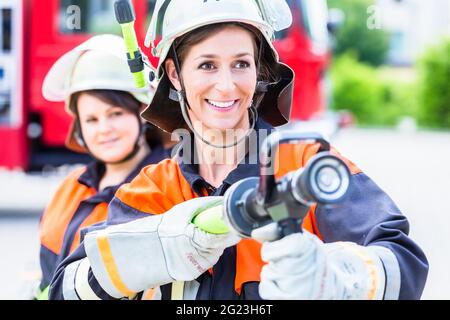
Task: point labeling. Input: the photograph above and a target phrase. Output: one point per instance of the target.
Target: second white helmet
(98, 63)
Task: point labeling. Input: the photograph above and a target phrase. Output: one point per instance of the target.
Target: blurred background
(373, 76)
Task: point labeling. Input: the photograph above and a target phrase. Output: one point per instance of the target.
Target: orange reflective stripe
(110, 265)
(60, 211)
(99, 214)
(149, 294)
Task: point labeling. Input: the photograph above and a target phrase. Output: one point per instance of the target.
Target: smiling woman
(94, 82)
(110, 129)
(219, 71)
(222, 80)
(220, 77)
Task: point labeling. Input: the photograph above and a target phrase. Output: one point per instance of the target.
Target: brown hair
(120, 99)
(266, 66)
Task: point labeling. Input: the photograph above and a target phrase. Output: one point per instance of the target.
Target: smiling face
(110, 132)
(219, 75)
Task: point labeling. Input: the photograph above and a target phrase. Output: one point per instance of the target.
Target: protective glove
(300, 266)
(155, 250)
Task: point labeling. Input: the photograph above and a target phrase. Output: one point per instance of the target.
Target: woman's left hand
(302, 267)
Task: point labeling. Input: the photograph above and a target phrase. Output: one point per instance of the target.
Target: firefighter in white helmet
(94, 81)
(219, 73)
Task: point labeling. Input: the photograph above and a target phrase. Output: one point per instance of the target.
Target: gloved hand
(155, 250)
(300, 266)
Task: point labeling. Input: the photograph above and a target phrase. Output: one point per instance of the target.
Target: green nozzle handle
(210, 220)
(126, 17)
(43, 295)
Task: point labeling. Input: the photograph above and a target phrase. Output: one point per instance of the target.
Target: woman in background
(94, 81)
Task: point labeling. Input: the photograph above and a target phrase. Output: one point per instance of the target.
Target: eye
(116, 114)
(90, 120)
(242, 65)
(208, 66)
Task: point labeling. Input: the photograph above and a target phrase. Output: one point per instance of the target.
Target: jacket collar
(96, 169)
(249, 166)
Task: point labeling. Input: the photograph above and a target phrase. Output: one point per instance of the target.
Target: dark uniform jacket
(367, 217)
(77, 204)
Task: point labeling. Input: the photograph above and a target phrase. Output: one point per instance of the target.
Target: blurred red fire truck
(35, 33)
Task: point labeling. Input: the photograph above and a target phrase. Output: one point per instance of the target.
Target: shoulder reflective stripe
(110, 265)
(82, 286)
(70, 271)
(177, 290)
(392, 268)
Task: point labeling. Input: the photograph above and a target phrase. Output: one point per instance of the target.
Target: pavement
(27, 193)
(411, 166)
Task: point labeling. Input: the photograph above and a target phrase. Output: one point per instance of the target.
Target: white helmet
(174, 18)
(98, 64)
(178, 21)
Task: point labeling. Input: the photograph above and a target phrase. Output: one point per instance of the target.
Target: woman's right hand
(155, 250)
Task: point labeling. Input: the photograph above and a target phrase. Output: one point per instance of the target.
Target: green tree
(358, 89)
(375, 96)
(370, 44)
(434, 75)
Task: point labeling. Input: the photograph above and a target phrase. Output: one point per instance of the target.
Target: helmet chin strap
(182, 99)
(253, 115)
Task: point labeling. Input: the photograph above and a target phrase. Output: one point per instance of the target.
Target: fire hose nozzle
(126, 17)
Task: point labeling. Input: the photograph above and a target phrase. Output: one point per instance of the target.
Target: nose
(104, 125)
(225, 81)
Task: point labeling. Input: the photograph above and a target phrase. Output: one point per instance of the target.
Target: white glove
(300, 266)
(155, 250)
